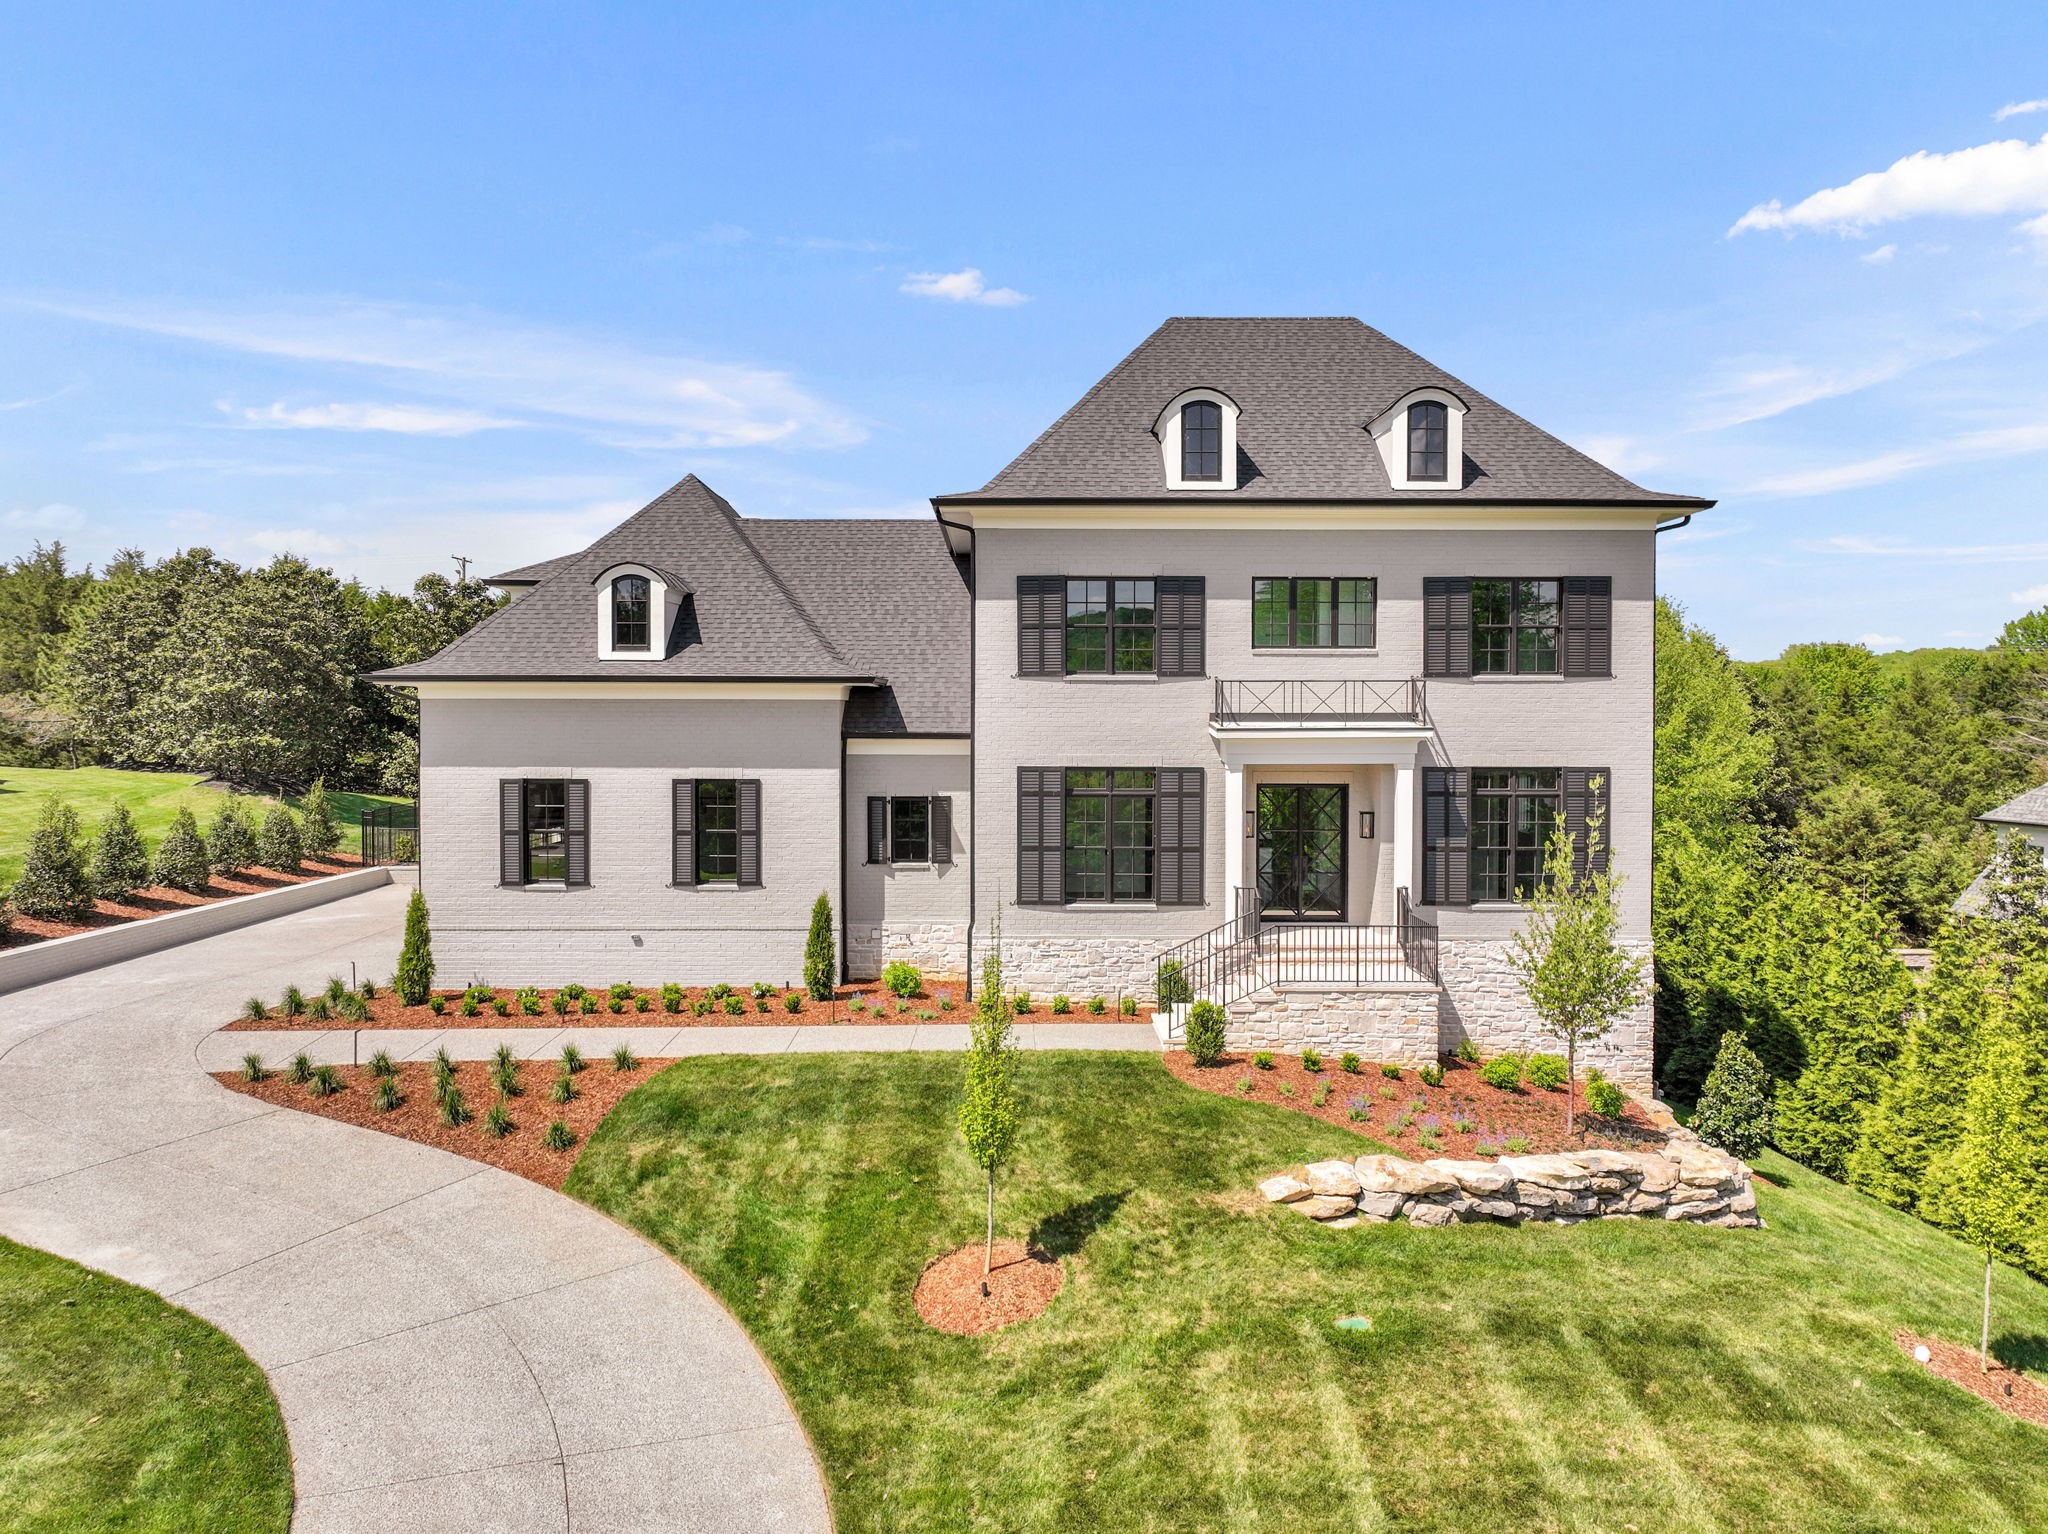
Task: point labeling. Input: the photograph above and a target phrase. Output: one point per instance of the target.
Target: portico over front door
(1301, 851)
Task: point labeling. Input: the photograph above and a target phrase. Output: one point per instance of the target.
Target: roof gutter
(973, 783)
(1672, 527)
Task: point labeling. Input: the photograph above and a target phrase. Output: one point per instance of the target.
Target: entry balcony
(1350, 703)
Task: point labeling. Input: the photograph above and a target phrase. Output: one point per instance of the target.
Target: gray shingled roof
(875, 602)
(1306, 389)
(528, 575)
(2029, 809)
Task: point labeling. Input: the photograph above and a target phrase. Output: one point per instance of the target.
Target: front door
(1301, 851)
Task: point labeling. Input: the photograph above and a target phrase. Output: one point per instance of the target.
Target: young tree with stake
(988, 1109)
(1579, 980)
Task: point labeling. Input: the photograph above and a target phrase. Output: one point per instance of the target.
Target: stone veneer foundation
(1392, 1023)
(1483, 1000)
(935, 947)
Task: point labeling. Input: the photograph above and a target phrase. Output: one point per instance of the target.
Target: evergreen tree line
(252, 675)
(1813, 814)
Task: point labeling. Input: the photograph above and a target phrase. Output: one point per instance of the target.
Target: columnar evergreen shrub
(1734, 1112)
(318, 834)
(821, 962)
(1205, 1027)
(119, 862)
(231, 840)
(277, 844)
(54, 883)
(415, 980)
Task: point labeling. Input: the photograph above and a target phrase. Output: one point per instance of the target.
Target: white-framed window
(1421, 440)
(636, 611)
(1197, 434)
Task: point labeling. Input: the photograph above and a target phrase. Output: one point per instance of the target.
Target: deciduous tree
(988, 1106)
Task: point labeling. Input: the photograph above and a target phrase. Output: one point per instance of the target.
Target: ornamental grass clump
(623, 1059)
(387, 1097)
(572, 1060)
(324, 1082)
(382, 1066)
(455, 1111)
(559, 1136)
(254, 1010)
(1205, 1028)
(498, 1120)
(300, 1071)
(505, 1077)
(253, 1068)
(562, 1090)
(294, 1002)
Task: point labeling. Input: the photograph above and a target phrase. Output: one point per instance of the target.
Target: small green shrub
(1244, 1086)
(643, 1004)
(1206, 1021)
(1734, 1110)
(623, 1059)
(701, 1007)
(1061, 1006)
(1467, 1051)
(614, 1005)
(1311, 1060)
(529, 1006)
(1348, 1063)
(381, 1065)
(559, 1004)
(1097, 1005)
(1546, 1072)
(719, 991)
(562, 1090)
(277, 843)
(735, 1006)
(559, 1136)
(762, 990)
(1128, 1006)
(300, 1071)
(254, 1010)
(324, 1082)
(469, 1006)
(1021, 1002)
(501, 1006)
(572, 1060)
(454, 1108)
(763, 1004)
(1174, 989)
(438, 1006)
(387, 1096)
(253, 1069)
(945, 1001)
(619, 991)
(1604, 1098)
(1263, 1060)
(498, 1121)
(1515, 1145)
(901, 979)
(1391, 1071)
(1432, 1075)
(1503, 1072)
(792, 1001)
(294, 1003)
(574, 991)
(671, 997)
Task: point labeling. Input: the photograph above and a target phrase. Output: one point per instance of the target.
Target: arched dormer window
(1428, 440)
(631, 621)
(1201, 440)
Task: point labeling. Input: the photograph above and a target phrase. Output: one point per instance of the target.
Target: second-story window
(1313, 612)
(1111, 626)
(631, 620)
(1201, 440)
(1514, 626)
(1428, 441)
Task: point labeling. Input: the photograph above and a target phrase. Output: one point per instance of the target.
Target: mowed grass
(121, 1412)
(1604, 1377)
(153, 798)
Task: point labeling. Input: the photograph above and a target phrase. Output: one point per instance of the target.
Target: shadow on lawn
(2029, 1354)
(1062, 1234)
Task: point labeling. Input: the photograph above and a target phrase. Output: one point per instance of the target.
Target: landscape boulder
(1397, 1174)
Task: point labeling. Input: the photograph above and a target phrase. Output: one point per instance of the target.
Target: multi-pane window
(1428, 441)
(1201, 440)
(1514, 811)
(1313, 612)
(546, 821)
(1112, 626)
(910, 830)
(1514, 626)
(718, 830)
(631, 625)
(1110, 818)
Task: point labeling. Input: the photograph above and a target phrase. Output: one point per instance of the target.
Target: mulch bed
(157, 900)
(877, 1006)
(598, 1090)
(1021, 1284)
(1398, 1111)
(2005, 1388)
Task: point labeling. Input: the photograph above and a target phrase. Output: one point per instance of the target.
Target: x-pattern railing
(1297, 700)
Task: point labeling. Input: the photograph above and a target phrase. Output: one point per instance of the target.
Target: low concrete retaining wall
(61, 956)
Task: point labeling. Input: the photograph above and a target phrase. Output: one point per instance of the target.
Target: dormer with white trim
(1421, 440)
(1197, 434)
(636, 611)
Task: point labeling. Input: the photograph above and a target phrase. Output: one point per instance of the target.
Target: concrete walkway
(453, 1347)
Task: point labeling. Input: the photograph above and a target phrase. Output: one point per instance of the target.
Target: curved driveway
(453, 1347)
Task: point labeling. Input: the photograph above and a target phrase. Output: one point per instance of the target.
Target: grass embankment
(153, 798)
(1609, 1376)
(123, 1412)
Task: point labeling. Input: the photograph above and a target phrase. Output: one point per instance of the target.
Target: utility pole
(461, 568)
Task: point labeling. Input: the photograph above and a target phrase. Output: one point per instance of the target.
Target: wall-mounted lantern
(1365, 825)
(1251, 824)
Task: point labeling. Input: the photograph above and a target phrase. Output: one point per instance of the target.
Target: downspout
(973, 741)
(1672, 527)
(845, 920)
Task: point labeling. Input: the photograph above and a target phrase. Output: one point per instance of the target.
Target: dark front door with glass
(1301, 851)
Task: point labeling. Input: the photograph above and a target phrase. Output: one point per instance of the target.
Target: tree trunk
(988, 1250)
(1984, 1338)
(1571, 1085)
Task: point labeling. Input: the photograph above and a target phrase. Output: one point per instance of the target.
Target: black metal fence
(391, 833)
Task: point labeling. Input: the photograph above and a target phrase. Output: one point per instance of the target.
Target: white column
(1404, 829)
(1233, 837)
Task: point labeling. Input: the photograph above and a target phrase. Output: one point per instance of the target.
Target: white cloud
(963, 287)
(54, 517)
(2008, 176)
(494, 366)
(37, 399)
(2020, 109)
(1755, 388)
(305, 542)
(1880, 641)
(410, 420)
(1624, 455)
(1954, 553)
(2001, 442)
(1879, 256)
(2033, 596)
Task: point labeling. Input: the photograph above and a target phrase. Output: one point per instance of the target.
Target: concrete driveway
(453, 1347)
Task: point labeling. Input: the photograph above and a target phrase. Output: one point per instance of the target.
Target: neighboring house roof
(881, 604)
(1305, 389)
(2029, 809)
(528, 575)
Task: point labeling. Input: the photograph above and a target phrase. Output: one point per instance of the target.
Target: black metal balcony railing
(1352, 701)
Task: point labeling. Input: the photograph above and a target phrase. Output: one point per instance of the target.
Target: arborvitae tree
(181, 862)
(415, 979)
(119, 862)
(2013, 894)
(1734, 1111)
(318, 833)
(821, 965)
(54, 883)
(277, 844)
(988, 1107)
(1918, 1114)
(231, 840)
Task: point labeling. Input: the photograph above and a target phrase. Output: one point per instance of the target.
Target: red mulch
(159, 901)
(1397, 1111)
(1020, 1285)
(387, 1011)
(598, 1090)
(2005, 1388)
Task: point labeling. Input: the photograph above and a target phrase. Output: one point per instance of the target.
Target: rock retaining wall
(1686, 1180)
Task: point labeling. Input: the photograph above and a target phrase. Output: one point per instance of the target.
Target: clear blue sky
(381, 287)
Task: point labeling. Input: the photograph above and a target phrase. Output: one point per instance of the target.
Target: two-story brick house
(1274, 660)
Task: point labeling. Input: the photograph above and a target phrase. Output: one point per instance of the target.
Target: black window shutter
(1446, 836)
(576, 833)
(1447, 625)
(683, 812)
(750, 832)
(1179, 613)
(942, 829)
(511, 831)
(1588, 625)
(1040, 821)
(1178, 841)
(1585, 795)
(878, 829)
(1041, 625)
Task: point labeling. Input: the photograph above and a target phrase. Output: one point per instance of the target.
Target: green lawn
(153, 798)
(1605, 1377)
(121, 1412)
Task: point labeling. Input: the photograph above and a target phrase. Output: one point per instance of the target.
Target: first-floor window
(1090, 834)
(910, 830)
(547, 830)
(1514, 811)
(718, 830)
(1486, 831)
(1110, 817)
